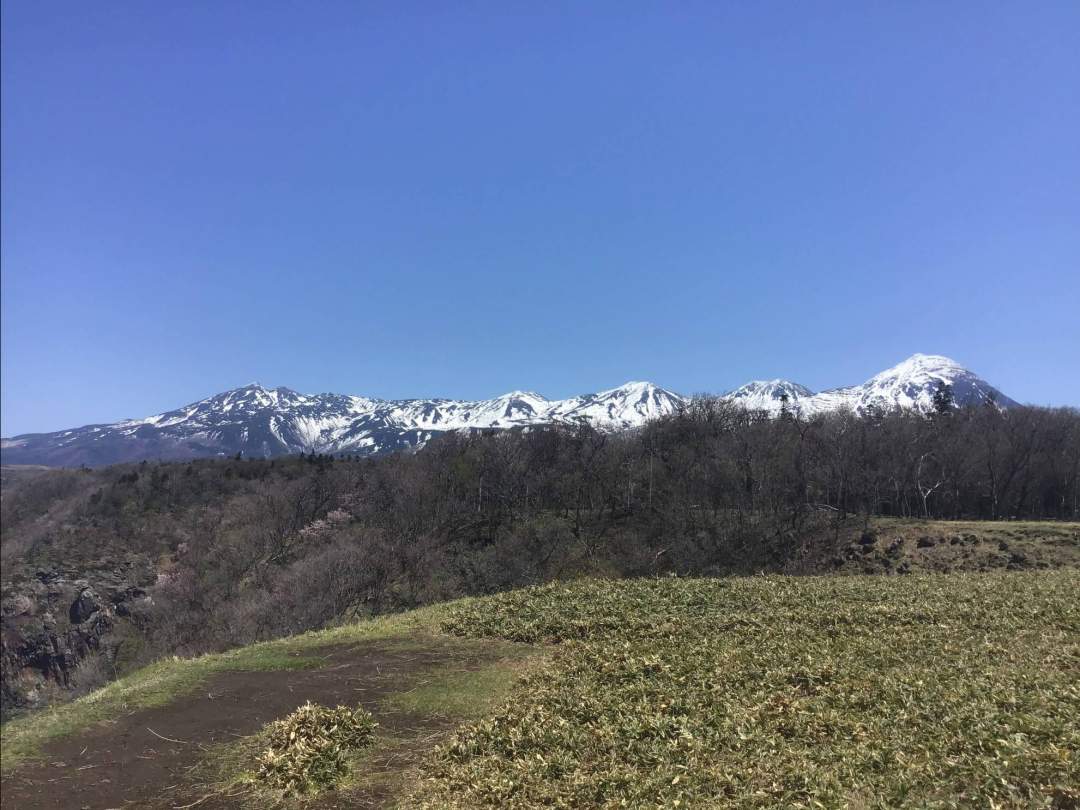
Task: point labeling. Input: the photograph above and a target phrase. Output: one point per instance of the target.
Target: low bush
(309, 750)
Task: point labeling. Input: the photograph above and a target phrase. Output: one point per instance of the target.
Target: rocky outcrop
(51, 623)
(84, 607)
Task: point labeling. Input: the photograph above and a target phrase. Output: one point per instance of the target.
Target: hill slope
(947, 691)
(774, 692)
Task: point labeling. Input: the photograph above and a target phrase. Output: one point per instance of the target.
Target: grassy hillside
(958, 690)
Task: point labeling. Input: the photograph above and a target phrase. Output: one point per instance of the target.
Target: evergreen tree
(785, 411)
(943, 398)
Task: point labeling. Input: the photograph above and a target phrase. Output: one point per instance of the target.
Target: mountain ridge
(258, 421)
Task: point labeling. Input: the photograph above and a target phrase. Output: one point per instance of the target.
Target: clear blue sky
(412, 199)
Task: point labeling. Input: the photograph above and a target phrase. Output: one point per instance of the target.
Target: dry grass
(310, 749)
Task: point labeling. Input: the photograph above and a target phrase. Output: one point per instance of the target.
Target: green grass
(165, 680)
(935, 691)
(456, 693)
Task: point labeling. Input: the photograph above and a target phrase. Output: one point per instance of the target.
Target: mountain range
(258, 421)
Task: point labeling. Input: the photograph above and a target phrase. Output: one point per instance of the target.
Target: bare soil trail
(146, 758)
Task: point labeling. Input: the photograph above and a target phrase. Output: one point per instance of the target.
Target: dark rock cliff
(52, 624)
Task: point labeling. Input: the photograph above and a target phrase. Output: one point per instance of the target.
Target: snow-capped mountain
(258, 421)
(910, 385)
(769, 395)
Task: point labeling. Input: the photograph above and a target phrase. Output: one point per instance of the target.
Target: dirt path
(144, 759)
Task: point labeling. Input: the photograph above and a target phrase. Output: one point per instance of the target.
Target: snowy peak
(923, 365)
(911, 385)
(912, 377)
(254, 396)
(510, 409)
(630, 405)
(770, 395)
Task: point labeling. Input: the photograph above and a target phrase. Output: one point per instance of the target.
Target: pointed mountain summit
(911, 385)
(630, 405)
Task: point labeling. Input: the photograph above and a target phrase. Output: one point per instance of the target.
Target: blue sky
(411, 199)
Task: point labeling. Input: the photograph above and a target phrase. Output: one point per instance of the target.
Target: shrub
(309, 750)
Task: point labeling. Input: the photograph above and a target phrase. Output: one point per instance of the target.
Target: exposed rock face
(84, 606)
(51, 623)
